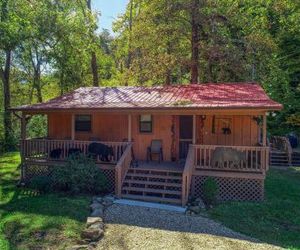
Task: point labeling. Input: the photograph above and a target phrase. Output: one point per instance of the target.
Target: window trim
(87, 131)
(147, 122)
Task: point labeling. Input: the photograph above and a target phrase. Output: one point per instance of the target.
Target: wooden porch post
(265, 157)
(73, 128)
(264, 130)
(23, 126)
(129, 128)
(23, 143)
(194, 129)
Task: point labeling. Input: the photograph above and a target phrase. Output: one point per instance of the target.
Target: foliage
(80, 174)
(30, 220)
(239, 40)
(37, 126)
(276, 220)
(41, 183)
(210, 191)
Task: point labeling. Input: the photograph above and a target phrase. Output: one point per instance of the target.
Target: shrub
(80, 174)
(41, 183)
(210, 191)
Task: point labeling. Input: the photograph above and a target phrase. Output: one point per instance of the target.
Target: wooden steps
(151, 199)
(278, 158)
(151, 190)
(156, 176)
(153, 185)
(296, 159)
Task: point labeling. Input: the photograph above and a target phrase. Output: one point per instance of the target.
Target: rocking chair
(155, 149)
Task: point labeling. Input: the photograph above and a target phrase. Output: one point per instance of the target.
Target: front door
(185, 134)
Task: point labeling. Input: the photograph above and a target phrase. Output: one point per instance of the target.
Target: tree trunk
(37, 84)
(129, 56)
(7, 119)
(168, 78)
(36, 62)
(195, 42)
(94, 65)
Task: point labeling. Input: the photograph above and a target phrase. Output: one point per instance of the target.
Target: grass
(29, 220)
(277, 219)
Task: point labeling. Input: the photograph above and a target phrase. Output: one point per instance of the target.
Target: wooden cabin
(202, 130)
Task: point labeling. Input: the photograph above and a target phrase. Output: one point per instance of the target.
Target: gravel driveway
(139, 228)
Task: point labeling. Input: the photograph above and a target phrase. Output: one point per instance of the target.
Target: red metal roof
(208, 96)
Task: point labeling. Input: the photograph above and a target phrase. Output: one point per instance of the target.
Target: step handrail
(187, 174)
(122, 168)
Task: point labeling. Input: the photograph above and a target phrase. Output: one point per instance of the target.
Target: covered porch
(215, 130)
(207, 132)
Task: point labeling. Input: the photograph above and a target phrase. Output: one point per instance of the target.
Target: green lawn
(277, 219)
(29, 220)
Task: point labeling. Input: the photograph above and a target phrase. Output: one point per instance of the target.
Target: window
(145, 123)
(83, 123)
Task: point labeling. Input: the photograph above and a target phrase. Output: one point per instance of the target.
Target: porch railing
(122, 168)
(187, 174)
(231, 158)
(40, 149)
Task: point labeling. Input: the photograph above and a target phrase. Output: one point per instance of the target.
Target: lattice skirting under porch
(231, 188)
(32, 170)
(110, 176)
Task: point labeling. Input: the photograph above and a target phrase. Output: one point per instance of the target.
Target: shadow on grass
(28, 215)
(30, 219)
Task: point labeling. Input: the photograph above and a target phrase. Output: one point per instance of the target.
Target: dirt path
(138, 228)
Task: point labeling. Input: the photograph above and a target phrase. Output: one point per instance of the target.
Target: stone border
(196, 207)
(94, 230)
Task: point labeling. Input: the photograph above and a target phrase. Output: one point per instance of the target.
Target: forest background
(50, 47)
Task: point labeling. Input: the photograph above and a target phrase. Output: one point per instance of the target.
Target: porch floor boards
(167, 166)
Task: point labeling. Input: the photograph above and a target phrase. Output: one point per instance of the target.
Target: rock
(39, 235)
(82, 242)
(107, 203)
(188, 212)
(195, 209)
(97, 213)
(92, 234)
(97, 225)
(108, 200)
(93, 220)
(99, 199)
(78, 247)
(96, 206)
(109, 197)
(92, 245)
(200, 203)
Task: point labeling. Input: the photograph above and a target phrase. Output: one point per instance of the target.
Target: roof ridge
(171, 85)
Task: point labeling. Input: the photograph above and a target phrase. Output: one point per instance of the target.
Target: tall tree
(94, 65)
(195, 23)
(5, 75)
(11, 32)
